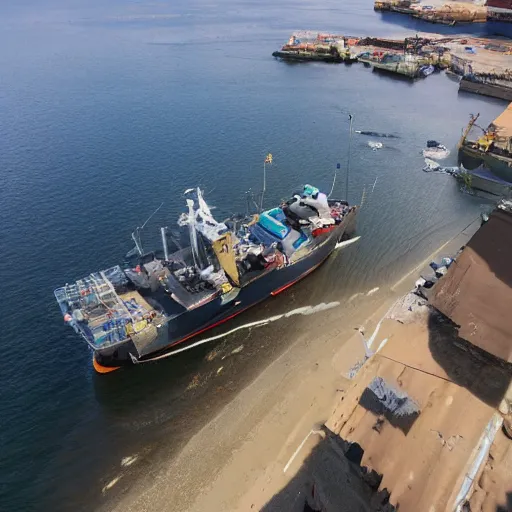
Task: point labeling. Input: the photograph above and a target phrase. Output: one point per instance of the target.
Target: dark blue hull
(182, 330)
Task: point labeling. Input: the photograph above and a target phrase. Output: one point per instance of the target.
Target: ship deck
(128, 296)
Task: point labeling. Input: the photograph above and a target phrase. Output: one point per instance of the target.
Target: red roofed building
(499, 10)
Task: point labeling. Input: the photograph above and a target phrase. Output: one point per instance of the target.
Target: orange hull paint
(103, 369)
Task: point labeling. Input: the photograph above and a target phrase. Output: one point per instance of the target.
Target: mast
(264, 183)
(472, 121)
(164, 243)
(268, 160)
(338, 166)
(136, 239)
(351, 118)
(193, 233)
(137, 231)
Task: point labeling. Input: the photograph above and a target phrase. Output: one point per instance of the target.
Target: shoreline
(253, 437)
(129, 97)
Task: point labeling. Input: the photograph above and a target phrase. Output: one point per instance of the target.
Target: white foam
(319, 308)
(128, 461)
(111, 484)
(345, 243)
(306, 310)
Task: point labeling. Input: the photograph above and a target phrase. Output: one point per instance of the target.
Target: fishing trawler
(146, 309)
(143, 311)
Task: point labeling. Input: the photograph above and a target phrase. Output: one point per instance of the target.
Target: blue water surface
(108, 109)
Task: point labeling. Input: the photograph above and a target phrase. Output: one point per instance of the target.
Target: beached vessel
(491, 147)
(145, 309)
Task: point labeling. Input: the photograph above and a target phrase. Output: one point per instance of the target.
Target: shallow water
(105, 112)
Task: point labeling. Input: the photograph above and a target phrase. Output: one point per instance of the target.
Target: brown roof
(423, 468)
(476, 292)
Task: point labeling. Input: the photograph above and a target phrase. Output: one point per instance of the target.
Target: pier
(480, 65)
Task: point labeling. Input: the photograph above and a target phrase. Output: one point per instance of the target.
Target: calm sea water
(108, 110)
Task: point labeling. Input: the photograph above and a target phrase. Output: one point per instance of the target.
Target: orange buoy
(103, 369)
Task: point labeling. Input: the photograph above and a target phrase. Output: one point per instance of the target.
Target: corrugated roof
(423, 467)
(476, 293)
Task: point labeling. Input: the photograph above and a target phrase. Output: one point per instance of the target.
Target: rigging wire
(149, 218)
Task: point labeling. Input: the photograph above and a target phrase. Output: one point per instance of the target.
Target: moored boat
(145, 309)
(320, 47)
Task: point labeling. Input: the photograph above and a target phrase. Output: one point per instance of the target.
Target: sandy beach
(237, 461)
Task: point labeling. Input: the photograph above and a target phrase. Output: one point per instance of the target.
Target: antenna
(338, 166)
(136, 233)
(264, 183)
(149, 218)
(351, 119)
(268, 160)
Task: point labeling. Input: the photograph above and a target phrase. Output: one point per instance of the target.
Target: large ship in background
(305, 46)
(144, 309)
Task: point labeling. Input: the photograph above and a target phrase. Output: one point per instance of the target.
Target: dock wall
(486, 89)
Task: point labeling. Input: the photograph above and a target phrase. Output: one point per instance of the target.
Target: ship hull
(183, 330)
(472, 158)
(311, 56)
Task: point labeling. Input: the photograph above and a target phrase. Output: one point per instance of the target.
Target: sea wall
(486, 89)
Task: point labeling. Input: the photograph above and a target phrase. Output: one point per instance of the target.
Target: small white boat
(439, 152)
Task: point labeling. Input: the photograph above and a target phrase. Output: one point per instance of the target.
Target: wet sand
(236, 461)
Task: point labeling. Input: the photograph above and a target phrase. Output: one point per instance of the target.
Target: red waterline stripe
(286, 286)
(220, 322)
